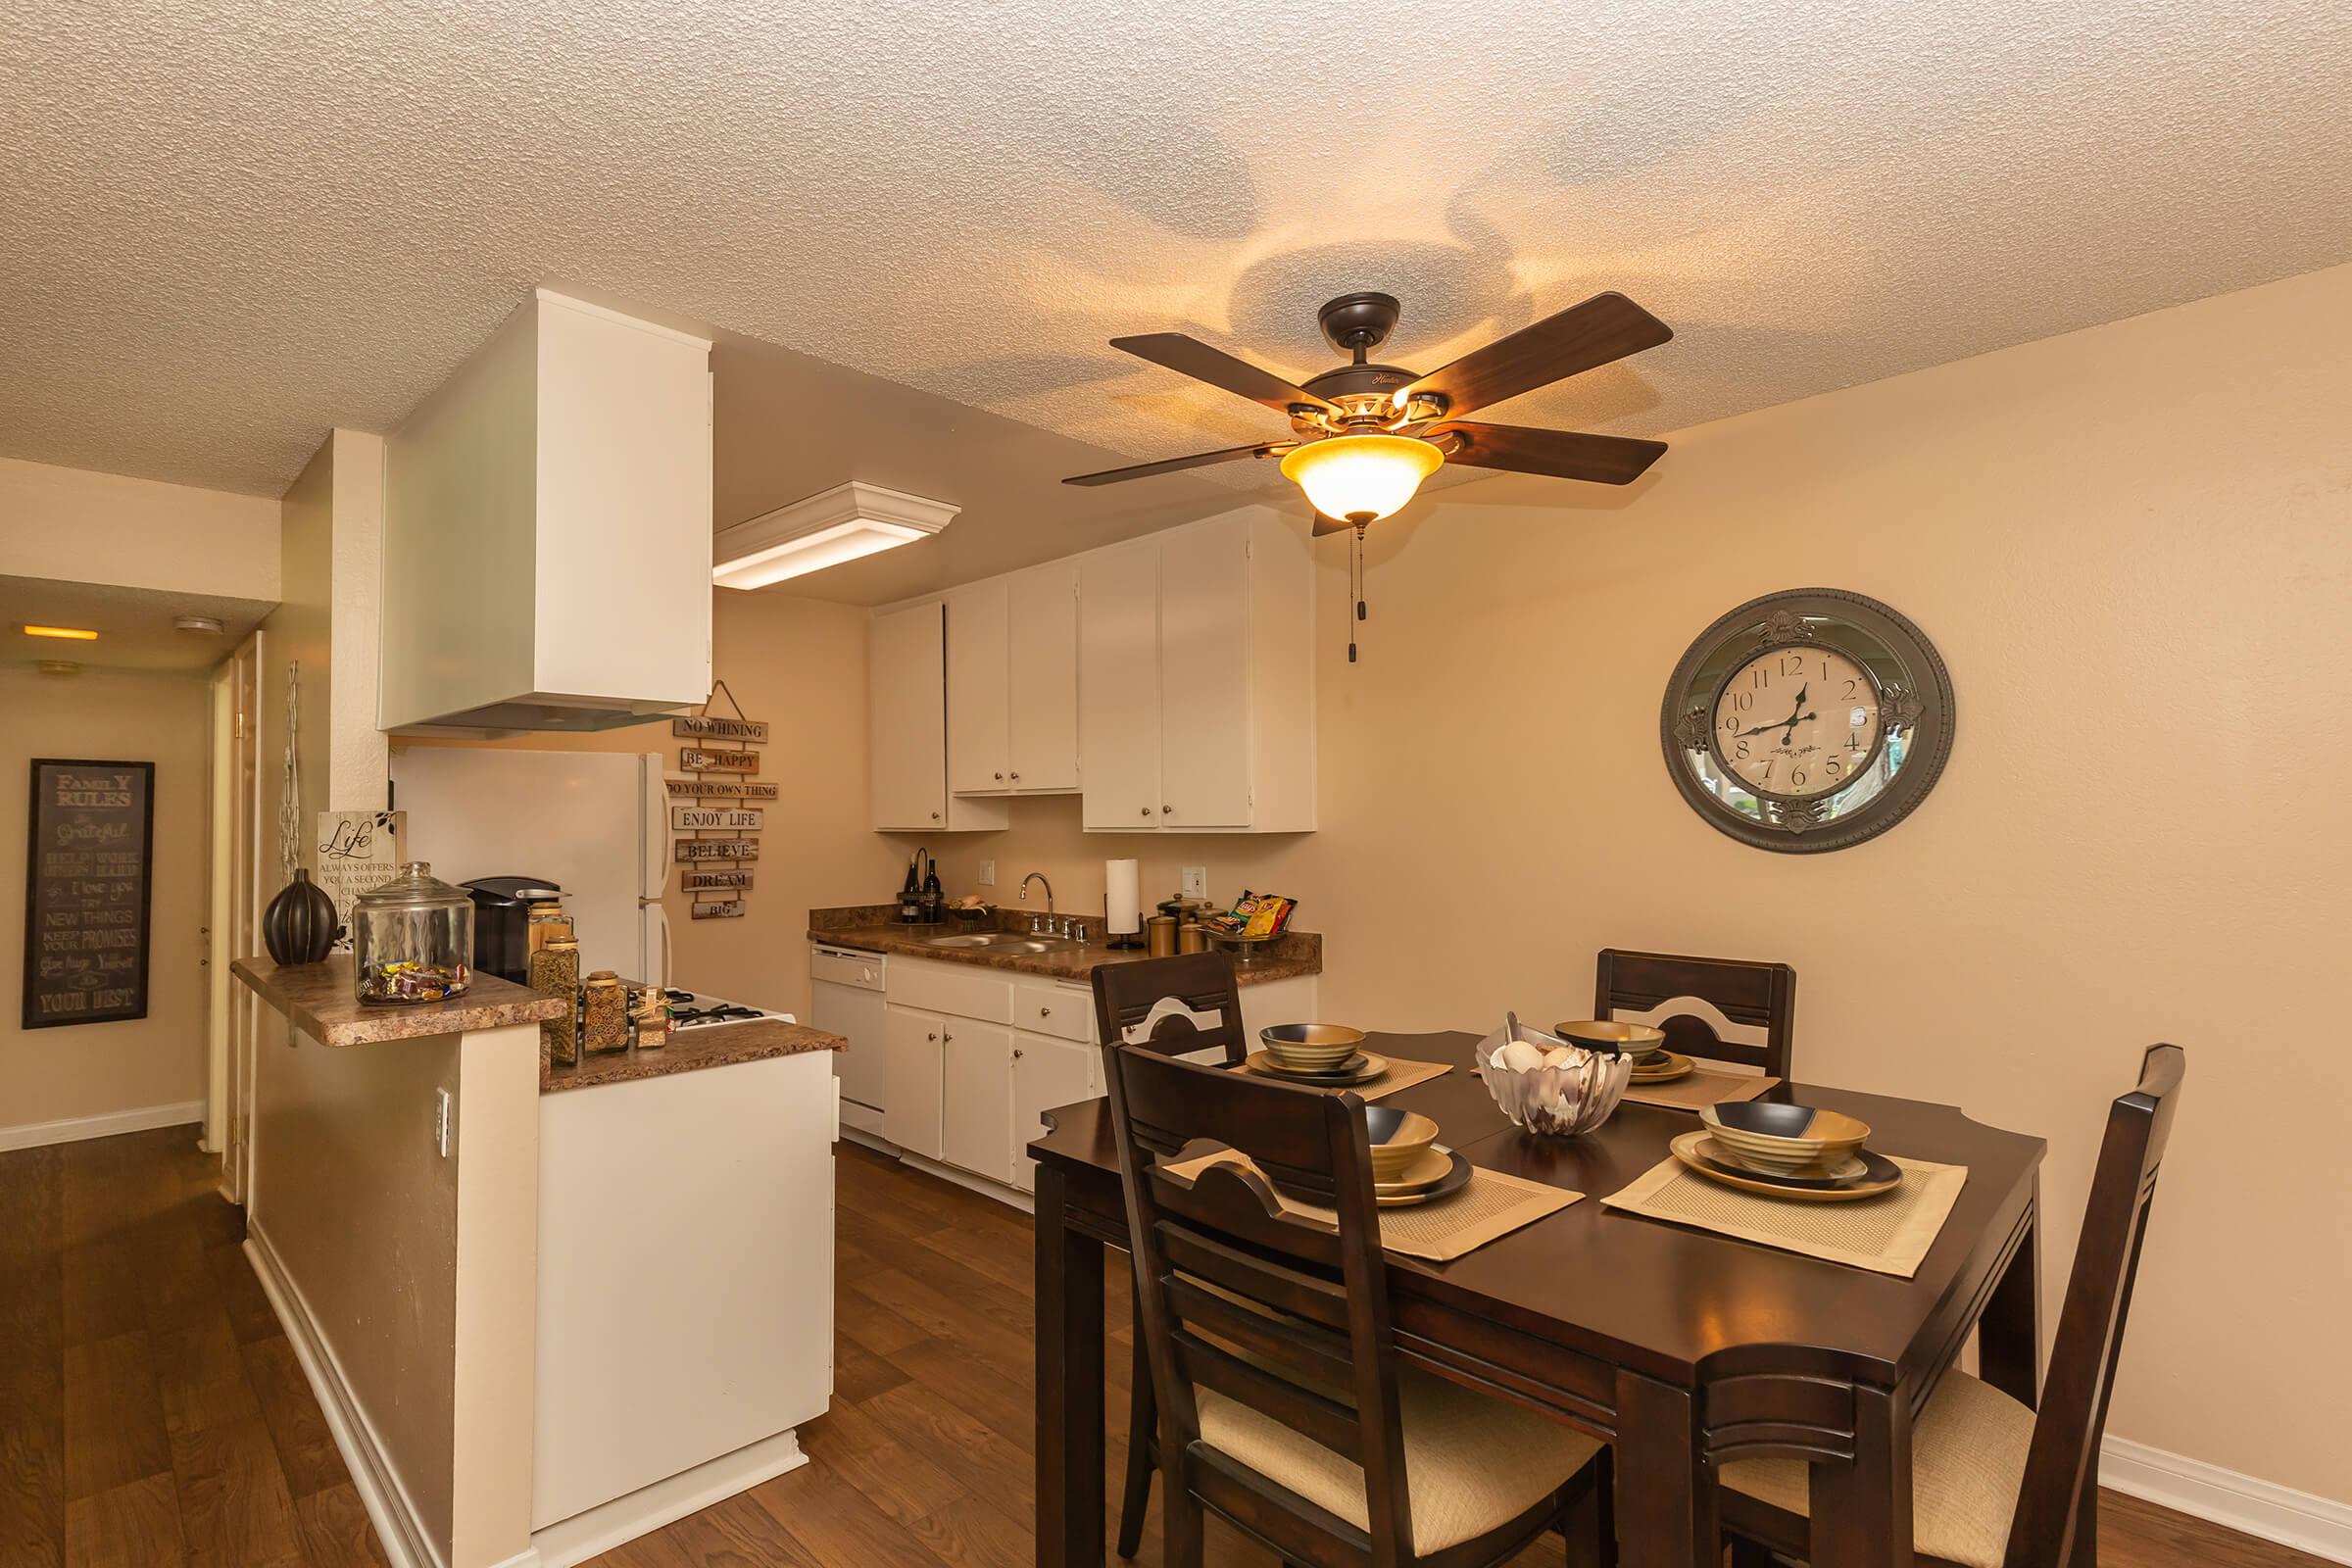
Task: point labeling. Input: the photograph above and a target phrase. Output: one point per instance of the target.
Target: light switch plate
(988, 873)
(1195, 881)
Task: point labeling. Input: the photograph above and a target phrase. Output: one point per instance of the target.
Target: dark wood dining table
(1682, 1348)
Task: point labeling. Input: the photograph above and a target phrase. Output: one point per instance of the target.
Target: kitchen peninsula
(452, 1228)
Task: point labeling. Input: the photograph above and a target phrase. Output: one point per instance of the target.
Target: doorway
(233, 929)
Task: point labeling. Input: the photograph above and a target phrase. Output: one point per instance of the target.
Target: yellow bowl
(1398, 1138)
(1786, 1139)
(1312, 1047)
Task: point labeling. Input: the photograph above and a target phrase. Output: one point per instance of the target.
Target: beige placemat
(1402, 1073)
(1489, 1206)
(1701, 1087)
(1886, 1235)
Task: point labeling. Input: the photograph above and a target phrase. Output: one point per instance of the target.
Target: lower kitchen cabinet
(977, 1069)
(911, 1080)
(1047, 1072)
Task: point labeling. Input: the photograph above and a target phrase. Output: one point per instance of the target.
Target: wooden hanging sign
(739, 789)
(731, 909)
(690, 849)
(693, 759)
(709, 727)
(715, 881)
(715, 819)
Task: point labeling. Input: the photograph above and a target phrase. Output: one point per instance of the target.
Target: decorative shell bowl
(1548, 1085)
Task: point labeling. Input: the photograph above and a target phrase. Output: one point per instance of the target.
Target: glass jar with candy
(411, 938)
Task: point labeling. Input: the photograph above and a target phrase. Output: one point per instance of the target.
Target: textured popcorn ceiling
(225, 225)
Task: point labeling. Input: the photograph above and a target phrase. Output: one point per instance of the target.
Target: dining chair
(1994, 1484)
(1717, 1010)
(1285, 1407)
(1161, 1004)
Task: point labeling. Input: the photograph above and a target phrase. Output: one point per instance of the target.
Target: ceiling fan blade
(1199, 460)
(1562, 454)
(1196, 358)
(1605, 328)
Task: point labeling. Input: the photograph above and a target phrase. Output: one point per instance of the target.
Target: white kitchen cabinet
(907, 738)
(547, 530)
(979, 689)
(914, 1080)
(1012, 683)
(977, 1071)
(1047, 1072)
(1041, 648)
(1118, 687)
(1196, 706)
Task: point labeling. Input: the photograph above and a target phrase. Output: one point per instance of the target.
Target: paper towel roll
(1122, 896)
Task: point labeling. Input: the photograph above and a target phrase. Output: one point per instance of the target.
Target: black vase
(299, 926)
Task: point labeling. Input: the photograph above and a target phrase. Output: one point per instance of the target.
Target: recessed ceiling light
(844, 523)
(74, 632)
(58, 667)
(204, 625)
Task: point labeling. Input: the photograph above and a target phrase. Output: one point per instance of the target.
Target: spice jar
(556, 972)
(652, 1018)
(413, 939)
(546, 920)
(607, 1015)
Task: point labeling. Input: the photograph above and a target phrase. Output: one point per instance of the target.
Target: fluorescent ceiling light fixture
(74, 632)
(842, 524)
(1361, 479)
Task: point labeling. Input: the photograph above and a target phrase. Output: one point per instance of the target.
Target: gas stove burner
(725, 1013)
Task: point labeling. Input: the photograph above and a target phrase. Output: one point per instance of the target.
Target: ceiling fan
(1366, 435)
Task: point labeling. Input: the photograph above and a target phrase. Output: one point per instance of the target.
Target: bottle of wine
(910, 894)
(934, 896)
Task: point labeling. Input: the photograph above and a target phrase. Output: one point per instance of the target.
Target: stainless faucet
(1035, 925)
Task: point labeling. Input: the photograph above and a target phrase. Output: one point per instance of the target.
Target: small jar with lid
(546, 920)
(606, 1015)
(411, 938)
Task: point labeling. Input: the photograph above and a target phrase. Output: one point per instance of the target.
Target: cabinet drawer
(1046, 1008)
(951, 989)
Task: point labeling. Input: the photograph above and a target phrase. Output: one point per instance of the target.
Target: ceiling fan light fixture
(845, 524)
(1361, 479)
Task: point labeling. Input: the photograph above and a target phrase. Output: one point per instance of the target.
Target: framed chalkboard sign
(88, 864)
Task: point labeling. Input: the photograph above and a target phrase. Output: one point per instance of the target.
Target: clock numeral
(1741, 702)
(1742, 752)
(1853, 743)
(1763, 680)
(1832, 767)
(1849, 687)
(1731, 726)
(1795, 664)
(1797, 777)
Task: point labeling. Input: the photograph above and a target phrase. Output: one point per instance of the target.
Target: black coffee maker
(501, 917)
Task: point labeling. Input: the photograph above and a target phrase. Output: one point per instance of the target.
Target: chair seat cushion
(1968, 1463)
(1471, 1463)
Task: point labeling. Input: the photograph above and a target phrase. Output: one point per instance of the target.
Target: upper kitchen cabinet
(907, 676)
(547, 530)
(1012, 683)
(1197, 698)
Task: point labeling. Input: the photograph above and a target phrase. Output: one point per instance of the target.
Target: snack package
(1255, 914)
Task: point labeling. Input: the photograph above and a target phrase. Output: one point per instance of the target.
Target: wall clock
(1807, 720)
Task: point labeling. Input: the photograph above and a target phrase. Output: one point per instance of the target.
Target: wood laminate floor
(152, 1413)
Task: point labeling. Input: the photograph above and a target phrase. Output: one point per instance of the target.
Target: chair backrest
(1719, 1009)
(1194, 985)
(1270, 1311)
(2062, 1466)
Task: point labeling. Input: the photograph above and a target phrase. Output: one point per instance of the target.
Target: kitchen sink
(1003, 941)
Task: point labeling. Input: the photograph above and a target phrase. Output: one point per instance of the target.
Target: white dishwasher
(845, 988)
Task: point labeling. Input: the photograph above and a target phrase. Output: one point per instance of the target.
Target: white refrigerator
(594, 823)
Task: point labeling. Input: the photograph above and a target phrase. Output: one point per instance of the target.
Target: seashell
(1520, 1056)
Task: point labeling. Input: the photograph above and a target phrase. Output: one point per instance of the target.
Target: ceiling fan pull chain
(1355, 585)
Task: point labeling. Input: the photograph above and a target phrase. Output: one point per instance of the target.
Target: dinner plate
(1865, 1175)
(1454, 1181)
(1352, 1063)
(1370, 1068)
(1668, 1066)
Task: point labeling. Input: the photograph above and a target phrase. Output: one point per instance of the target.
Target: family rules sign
(88, 888)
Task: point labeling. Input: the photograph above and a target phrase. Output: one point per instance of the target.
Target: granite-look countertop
(320, 1000)
(689, 1050)
(870, 929)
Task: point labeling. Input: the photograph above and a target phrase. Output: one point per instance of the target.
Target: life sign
(719, 818)
(90, 840)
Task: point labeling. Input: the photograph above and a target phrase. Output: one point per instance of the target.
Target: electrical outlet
(988, 873)
(443, 1106)
(1195, 881)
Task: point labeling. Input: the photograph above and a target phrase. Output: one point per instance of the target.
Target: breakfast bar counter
(689, 1050)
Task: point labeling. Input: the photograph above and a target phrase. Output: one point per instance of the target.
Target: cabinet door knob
(1165, 810)
(946, 1039)
(1016, 775)
(999, 776)
(1019, 1053)
(1045, 1013)
(1147, 811)
(934, 816)
(934, 1038)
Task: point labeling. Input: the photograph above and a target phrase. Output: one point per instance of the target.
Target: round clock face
(1807, 720)
(1796, 722)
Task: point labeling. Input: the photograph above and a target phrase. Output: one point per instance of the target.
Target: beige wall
(799, 664)
(82, 526)
(100, 1069)
(2134, 546)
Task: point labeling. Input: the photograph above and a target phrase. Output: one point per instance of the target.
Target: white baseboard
(647, 1509)
(405, 1541)
(74, 1129)
(2245, 1503)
